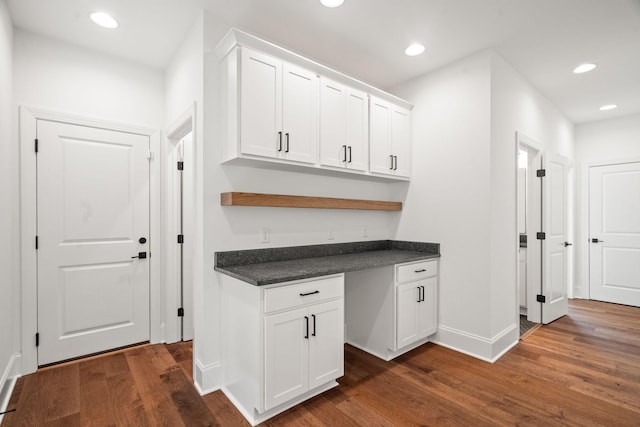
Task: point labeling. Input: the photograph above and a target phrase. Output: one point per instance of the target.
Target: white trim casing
(28, 225)
(8, 382)
(207, 379)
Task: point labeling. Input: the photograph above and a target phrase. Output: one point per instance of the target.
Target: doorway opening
(180, 234)
(529, 217)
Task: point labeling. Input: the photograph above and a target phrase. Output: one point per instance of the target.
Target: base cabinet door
(427, 314)
(326, 342)
(407, 313)
(286, 356)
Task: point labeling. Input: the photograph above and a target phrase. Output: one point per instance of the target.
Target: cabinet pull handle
(419, 297)
(421, 271)
(422, 287)
(304, 294)
(286, 150)
(349, 154)
(279, 141)
(391, 168)
(306, 320)
(395, 168)
(344, 157)
(313, 334)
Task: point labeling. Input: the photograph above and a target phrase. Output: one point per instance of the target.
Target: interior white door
(554, 249)
(614, 227)
(93, 217)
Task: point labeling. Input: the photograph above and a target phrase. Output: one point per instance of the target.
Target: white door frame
(534, 222)
(585, 232)
(28, 225)
(179, 129)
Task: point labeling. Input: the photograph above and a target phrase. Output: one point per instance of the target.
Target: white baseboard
(207, 379)
(8, 382)
(489, 350)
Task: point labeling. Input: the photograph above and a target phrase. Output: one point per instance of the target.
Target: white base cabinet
(405, 298)
(282, 343)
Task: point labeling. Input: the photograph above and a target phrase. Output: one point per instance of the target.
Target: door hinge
(541, 236)
(541, 298)
(37, 339)
(180, 166)
(541, 173)
(180, 238)
(181, 312)
(36, 145)
(36, 243)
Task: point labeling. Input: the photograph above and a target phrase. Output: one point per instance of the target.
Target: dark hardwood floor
(583, 369)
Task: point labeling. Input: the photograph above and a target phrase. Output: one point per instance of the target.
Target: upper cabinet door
(401, 141)
(333, 149)
(380, 156)
(260, 104)
(357, 130)
(299, 114)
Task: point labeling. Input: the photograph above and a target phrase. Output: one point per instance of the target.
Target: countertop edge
(309, 275)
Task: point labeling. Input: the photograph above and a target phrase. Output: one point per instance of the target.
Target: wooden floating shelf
(282, 201)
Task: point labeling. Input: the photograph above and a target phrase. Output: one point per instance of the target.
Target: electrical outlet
(265, 235)
(332, 233)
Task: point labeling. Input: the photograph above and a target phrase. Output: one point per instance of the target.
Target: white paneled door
(614, 228)
(554, 246)
(93, 227)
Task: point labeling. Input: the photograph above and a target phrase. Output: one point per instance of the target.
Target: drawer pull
(309, 293)
(421, 271)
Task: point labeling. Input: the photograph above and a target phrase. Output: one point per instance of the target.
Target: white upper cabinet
(278, 108)
(389, 140)
(343, 126)
(260, 104)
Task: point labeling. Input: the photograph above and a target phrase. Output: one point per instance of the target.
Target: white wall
(600, 142)
(9, 219)
(60, 77)
(516, 106)
(463, 190)
(450, 192)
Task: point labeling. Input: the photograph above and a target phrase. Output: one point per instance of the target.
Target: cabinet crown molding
(235, 38)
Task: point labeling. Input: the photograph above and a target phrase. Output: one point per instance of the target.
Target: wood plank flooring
(583, 369)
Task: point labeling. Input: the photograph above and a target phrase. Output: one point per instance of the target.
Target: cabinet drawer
(416, 271)
(291, 296)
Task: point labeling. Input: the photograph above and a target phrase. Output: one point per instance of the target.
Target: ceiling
(542, 39)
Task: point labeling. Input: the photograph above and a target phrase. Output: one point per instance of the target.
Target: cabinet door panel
(380, 136)
(300, 114)
(401, 141)
(260, 103)
(407, 307)
(326, 343)
(286, 357)
(428, 318)
(332, 123)
(357, 129)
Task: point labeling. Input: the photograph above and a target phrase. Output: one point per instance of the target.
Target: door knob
(142, 240)
(567, 244)
(597, 241)
(141, 255)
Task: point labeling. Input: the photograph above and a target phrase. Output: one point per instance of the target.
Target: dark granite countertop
(267, 266)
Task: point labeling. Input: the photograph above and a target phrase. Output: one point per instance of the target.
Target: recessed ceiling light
(104, 20)
(414, 49)
(584, 68)
(608, 107)
(331, 3)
